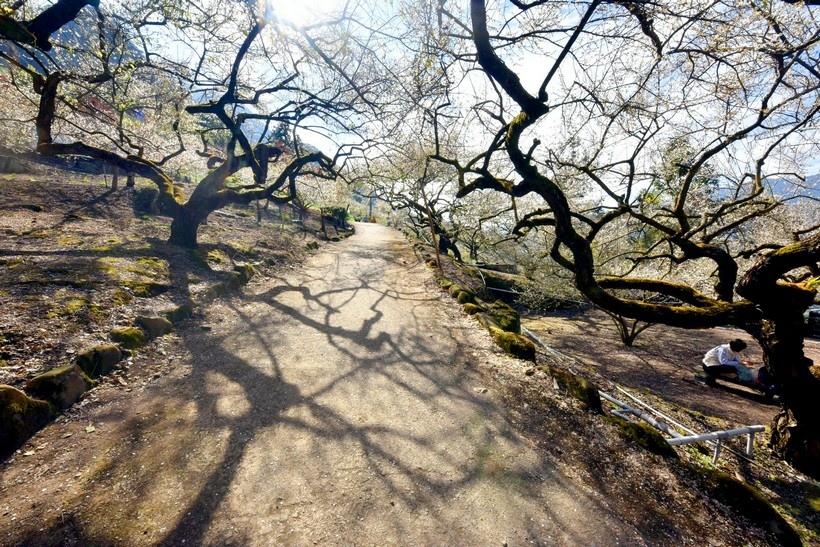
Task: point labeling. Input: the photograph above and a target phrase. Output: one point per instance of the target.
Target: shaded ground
(661, 361)
(346, 401)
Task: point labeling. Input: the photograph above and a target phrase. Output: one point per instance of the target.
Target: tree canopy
(641, 147)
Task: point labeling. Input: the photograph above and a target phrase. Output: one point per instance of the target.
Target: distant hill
(810, 188)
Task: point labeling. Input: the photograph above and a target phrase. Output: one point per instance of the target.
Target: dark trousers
(716, 370)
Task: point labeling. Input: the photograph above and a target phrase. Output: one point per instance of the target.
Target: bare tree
(602, 92)
(229, 76)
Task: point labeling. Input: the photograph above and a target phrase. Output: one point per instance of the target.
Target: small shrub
(145, 199)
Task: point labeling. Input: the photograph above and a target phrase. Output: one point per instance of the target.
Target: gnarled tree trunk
(795, 435)
(796, 429)
(185, 225)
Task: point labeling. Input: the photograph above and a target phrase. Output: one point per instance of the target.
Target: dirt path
(333, 407)
(336, 406)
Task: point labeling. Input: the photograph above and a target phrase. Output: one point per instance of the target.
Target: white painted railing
(680, 439)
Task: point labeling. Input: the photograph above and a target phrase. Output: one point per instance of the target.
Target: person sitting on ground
(724, 359)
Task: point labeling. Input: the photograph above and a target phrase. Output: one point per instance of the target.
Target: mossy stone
(180, 313)
(644, 435)
(444, 283)
(245, 271)
(461, 294)
(579, 387)
(129, 337)
(235, 281)
(472, 309)
(147, 289)
(465, 297)
(746, 500)
(61, 386)
(514, 344)
(154, 326)
(312, 246)
(506, 317)
(20, 417)
(99, 360)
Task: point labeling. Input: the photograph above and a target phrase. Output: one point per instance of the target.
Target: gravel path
(338, 405)
(347, 417)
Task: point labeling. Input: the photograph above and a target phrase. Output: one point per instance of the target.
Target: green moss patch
(129, 337)
(121, 297)
(235, 280)
(151, 266)
(472, 309)
(20, 417)
(577, 386)
(180, 313)
(644, 435)
(462, 295)
(465, 297)
(507, 318)
(746, 500)
(99, 360)
(70, 305)
(245, 271)
(154, 326)
(216, 257)
(61, 386)
(813, 497)
(146, 289)
(444, 283)
(80, 274)
(244, 250)
(514, 344)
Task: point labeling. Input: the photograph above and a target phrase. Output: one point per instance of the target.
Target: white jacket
(721, 355)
